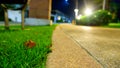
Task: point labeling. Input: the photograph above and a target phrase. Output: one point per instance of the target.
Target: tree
(5, 8)
(114, 8)
(98, 4)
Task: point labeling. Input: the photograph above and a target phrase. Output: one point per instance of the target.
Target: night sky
(65, 7)
(68, 7)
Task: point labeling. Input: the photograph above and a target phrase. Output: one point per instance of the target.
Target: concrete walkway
(103, 44)
(66, 53)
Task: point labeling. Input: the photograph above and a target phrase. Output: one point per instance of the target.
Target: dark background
(13, 1)
(66, 7)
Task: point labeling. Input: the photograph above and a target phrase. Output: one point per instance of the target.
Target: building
(14, 16)
(40, 9)
(36, 9)
(58, 16)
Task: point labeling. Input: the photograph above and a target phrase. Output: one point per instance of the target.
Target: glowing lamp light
(59, 18)
(76, 12)
(66, 0)
(88, 11)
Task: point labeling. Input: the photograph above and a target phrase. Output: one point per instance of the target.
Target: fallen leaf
(30, 44)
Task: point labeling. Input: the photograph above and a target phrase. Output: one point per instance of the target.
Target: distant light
(76, 12)
(66, 0)
(88, 11)
(59, 18)
(79, 17)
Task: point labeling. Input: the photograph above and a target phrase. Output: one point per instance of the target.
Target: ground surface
(103, 44)
(66, 53)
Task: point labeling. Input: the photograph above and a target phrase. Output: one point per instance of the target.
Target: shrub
(100, 17)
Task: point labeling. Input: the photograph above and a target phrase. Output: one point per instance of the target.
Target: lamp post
(104, 4)
(76, 8)
(76, 11)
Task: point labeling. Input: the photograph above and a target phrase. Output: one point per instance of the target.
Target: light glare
(59, 18)
(76, 12)
(66, 0)
(88, 11)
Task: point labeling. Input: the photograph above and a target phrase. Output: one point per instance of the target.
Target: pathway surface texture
(101, 43)
(67, 53)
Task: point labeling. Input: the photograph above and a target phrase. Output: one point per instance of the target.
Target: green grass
(113, 25)
(13, 53)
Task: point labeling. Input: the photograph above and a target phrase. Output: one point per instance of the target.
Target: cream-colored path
(66, 53)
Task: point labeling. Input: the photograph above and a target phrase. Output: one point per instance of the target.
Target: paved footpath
(103, 44)
(66, 53)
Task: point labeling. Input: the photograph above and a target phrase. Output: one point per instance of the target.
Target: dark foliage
(98, 18)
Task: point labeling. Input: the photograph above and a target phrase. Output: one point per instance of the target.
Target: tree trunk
(107, 4)
(104, 4)
(23, 14)
(6, 19)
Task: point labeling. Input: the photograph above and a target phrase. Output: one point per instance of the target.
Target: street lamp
(76, 12)
(76, 9)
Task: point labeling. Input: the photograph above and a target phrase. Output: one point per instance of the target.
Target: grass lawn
(13, 52)
(114, 25)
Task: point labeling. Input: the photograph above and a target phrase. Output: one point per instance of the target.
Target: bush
(100, 17)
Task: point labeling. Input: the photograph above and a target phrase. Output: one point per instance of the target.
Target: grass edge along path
(113, 25)
(14, 53)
